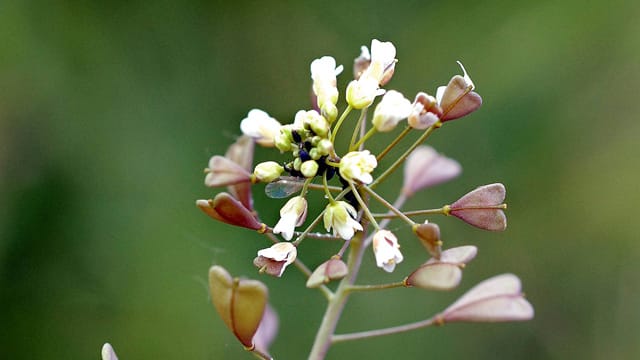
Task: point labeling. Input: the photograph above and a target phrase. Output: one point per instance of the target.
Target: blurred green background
(109, 111)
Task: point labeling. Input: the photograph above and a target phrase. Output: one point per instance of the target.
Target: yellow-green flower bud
(330, 112)
(318, 124)
(315, 154)
(297, 162)
(309, 168)
(267, 171)
(362, 92)
(325, 146)
(283, 141)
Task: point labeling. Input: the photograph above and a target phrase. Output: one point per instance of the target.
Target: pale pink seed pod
(332, 269)
(443, 274)
(241, 152)
(425, 168)
(224, 172)
(496, 299)
(482, 207)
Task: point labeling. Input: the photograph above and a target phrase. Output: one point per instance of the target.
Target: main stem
(338, 301)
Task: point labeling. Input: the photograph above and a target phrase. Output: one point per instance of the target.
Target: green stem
(356, 130)
(363, 139)
(413, 213)
(364, 206)
(336, 304)
(259, 354)
(334, 132)
(395, 142)
(388, 205)
(403, 157)
(386, 331)
(376, 287)
(304, 269)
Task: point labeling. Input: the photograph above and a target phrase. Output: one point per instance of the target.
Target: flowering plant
(313, 160)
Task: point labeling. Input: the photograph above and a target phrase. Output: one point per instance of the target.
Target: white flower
(362, 92)
(260, 126)
(292, 214)
(392, 108)
(323, 73)
(274, 260)
(386, 250)
(383, 60)
(340, 216)
(358, 165)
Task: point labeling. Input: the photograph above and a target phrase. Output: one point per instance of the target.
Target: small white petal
(466, 76)
(108, 353)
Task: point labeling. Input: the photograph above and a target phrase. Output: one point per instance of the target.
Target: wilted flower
(231, 211)
(393, 108)
(425, 112)
(458, 99)
(358, 165)
(275, 259)
(386, 250)
(108, 353)
(429, 235)
(323, 73)
(260, 126)
(482, 207)
(224, 172)
(240, 302)
(493, 300)
(340, 215)
(331, 269)
(292, 214)
(425, 168)
(267, 171)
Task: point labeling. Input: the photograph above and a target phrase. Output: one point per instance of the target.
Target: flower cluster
(310, 163)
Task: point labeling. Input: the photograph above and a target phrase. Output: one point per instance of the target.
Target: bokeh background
(109, 111)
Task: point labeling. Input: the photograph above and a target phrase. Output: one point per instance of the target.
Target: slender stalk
(441, 211)
(388, 205)
(403, 157)
(339, 123)
(259, 354)
(363, 288)
(304, 269)
(402, 198)
(363, 139)
(395, 142)
(364, 206)
(356, 130)
(385, 331)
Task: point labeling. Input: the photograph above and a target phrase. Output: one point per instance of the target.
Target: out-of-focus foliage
(109, 111)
